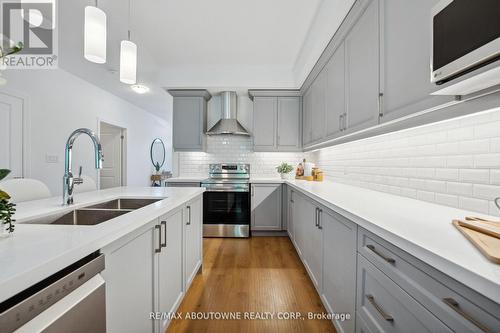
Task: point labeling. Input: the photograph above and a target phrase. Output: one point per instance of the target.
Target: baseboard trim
(269, 233)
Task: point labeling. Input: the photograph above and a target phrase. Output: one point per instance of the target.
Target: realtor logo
(32, 23)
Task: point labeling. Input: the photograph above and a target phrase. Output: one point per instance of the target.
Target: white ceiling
(204, 44)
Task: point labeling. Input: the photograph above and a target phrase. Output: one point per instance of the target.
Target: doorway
(113, 142)
(12, 129)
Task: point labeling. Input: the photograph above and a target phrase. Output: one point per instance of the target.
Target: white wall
(58, 103)
(454, 163)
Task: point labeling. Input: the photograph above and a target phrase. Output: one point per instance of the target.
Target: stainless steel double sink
(99, 213)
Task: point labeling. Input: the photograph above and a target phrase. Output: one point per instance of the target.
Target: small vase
(284, 176)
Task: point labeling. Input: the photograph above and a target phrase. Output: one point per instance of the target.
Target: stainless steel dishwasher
(71, 300)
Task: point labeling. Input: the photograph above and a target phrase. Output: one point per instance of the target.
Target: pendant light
(95, 35)
(128, 58)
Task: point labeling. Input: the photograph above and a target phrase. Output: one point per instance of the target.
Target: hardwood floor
(260, 274)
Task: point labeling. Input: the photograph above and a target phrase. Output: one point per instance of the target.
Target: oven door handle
(225, 189)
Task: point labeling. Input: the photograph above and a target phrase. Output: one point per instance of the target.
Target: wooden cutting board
(488, 245)
(486, 227)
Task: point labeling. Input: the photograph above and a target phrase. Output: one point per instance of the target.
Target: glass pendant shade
(95, 35)
(128, 62)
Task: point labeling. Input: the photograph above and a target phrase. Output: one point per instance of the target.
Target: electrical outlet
(51, 158)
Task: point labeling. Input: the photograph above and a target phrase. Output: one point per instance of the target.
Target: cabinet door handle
(158, 227)
(456, 307)
(316, 217)
(189, 215)
(380, 105)
(340, 122)
(320, 224)
(164, 224)
(382, 313)
(345, 120)
(386, 258)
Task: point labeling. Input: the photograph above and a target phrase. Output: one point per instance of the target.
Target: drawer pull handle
(316, 217)
(158, 227)
(384, 315)
(189, 215)
(455, 306)
(388, 259)
(164, 223)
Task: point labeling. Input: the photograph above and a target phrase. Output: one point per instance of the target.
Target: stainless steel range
(226, 202)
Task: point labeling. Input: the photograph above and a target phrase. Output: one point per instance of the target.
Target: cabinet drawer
(361, 326)
(385, 307)
(459, 307)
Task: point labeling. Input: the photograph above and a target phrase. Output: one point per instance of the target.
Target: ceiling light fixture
(128, 58)
(95, 35)
(139, 88)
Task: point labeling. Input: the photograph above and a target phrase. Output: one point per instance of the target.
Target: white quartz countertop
(36, 251)
(420, 228)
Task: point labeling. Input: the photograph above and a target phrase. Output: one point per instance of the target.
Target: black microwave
(465, 36)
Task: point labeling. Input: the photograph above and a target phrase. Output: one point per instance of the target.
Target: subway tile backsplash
(232, 149)
(454, 163)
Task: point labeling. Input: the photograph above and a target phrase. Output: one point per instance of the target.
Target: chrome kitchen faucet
(69, 181)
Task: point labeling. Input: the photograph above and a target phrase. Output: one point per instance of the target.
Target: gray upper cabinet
(362, 70)
(277, 123)
(307, 110)
(318, 105)
(265, 110)
(405, 32)
(335, 93)
(289, 123)
(189, 119)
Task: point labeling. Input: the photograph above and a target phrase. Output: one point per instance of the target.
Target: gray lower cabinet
(143, 275)
(326, 244)
(189, 119)
(383, 288)
(361, 326)
(276, 123)
(362, 70)
(130, 292)
(339, 266)
(266, 207)
(289, 216)
(386, 307)
(193, 243)
(457, 306)
(405, 36)
(169, 276)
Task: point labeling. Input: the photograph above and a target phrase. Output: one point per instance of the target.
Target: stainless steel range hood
(228, 124)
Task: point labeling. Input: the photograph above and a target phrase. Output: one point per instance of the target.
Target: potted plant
(284, 169)
(7, 209)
